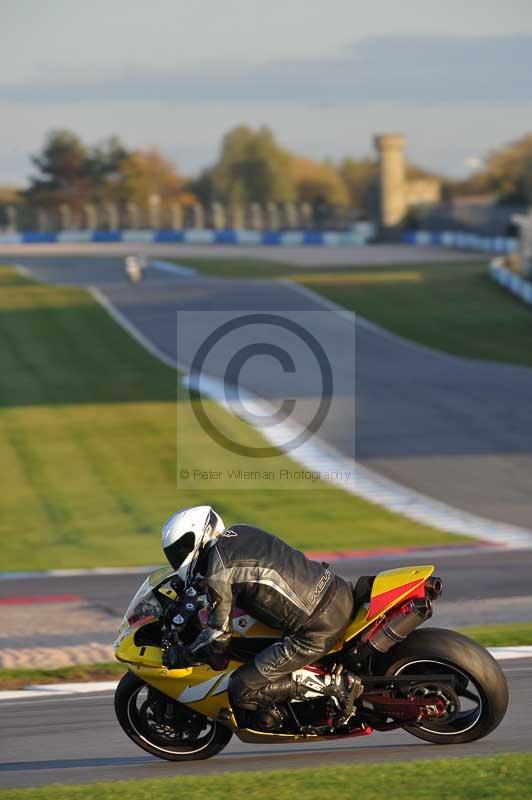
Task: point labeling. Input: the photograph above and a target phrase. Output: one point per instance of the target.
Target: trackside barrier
(511, 281)
(360, 235)
(462, 241)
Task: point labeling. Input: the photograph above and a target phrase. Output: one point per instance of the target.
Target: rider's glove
(178, 656)
(210, 644)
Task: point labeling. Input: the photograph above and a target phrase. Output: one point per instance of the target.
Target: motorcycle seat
(362, 592)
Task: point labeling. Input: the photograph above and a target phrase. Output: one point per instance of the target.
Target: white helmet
(185, 533)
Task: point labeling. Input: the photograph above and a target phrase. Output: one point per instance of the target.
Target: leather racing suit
(278, 585)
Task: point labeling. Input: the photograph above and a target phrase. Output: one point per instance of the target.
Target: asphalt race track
(471, 580)
(297, 255)
(454, 429)
(77, 740)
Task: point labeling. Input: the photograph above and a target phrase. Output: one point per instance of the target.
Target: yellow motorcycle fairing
(389, 589)
(201, 687)
(205, 689)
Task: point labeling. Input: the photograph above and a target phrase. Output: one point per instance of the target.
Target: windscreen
(144, 607)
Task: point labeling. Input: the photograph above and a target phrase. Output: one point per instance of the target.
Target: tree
(360, 178)
(103, 166)
(70, 172)
(10, 197)
(62, 165)
(315, 180)
(507, 173)
(252, 167)
(202, 187)
(146, 174)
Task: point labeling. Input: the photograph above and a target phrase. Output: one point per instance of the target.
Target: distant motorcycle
(386, 674)
(134, 267)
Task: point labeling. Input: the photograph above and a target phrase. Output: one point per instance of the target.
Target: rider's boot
(300, 685)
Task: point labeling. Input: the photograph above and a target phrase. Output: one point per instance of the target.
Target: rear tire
(142, 728)
(436, 649)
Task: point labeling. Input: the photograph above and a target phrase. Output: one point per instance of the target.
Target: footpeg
(355, 690)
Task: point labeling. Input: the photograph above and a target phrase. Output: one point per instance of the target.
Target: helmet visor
(177, 552)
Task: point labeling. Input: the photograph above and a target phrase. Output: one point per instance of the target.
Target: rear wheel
(480, 685)
(164, 727)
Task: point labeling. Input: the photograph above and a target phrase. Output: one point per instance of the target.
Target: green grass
(18, 678)
(88, 448)
(508, 634)
(505, 777)
(452, 307)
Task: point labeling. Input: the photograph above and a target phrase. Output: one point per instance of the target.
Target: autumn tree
(316, 180)
(146, 174)
(10, 197)
(507, 174)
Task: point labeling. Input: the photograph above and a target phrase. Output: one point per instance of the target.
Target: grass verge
(506, 777)
(505, 635)
(88, 448)
(452, 307)
(18, 678)
(508, 634)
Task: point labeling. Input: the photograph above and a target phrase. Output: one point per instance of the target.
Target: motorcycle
(386, 673)
(134, 267)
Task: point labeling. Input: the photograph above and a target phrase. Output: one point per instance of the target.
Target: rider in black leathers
(275, 583)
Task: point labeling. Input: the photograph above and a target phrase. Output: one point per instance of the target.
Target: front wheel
(481, 687)
(164, 727)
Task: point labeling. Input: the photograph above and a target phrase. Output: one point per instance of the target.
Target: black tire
(131, 721)
(437, 646)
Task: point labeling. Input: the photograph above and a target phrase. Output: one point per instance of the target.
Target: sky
(325, 75)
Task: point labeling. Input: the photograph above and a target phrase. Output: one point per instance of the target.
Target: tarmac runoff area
(76, 739)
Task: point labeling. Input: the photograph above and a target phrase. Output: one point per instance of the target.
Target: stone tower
(392, 179)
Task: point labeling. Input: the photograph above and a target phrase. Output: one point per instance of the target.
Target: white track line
(130, 328)
(318, 456)
(173, 269)
(65, 690)
(25, 272)
(383, 333)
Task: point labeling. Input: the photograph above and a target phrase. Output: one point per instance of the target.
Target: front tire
(184, 736)
(484, 691)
